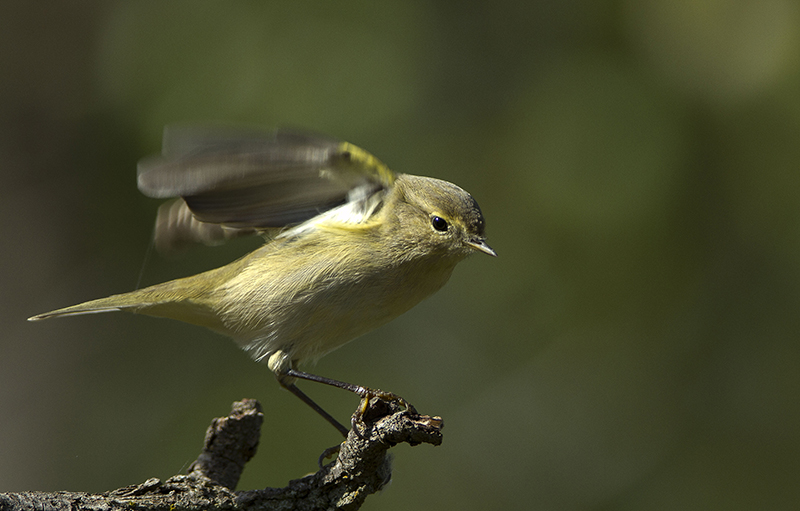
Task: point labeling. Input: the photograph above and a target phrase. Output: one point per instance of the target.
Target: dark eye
(439, 223)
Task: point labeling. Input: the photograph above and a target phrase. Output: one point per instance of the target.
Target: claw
(328, 453)
(357, 419)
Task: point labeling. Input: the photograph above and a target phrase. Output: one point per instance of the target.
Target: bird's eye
(439, 223)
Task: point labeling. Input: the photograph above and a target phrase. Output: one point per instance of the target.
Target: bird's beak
(480, 245)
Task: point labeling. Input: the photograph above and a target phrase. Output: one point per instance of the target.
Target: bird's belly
(329, 313)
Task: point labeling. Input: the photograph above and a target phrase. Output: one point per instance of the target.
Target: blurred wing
(177, 229)
(250, 180)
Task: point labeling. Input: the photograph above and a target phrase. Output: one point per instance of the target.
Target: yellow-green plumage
(308, 294)
(353, 244)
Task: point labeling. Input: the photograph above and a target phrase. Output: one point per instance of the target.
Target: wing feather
(249, 179)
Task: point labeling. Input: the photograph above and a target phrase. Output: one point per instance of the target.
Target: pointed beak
(480, 245)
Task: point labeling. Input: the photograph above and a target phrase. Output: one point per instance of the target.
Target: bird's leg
(280, 363)
(291, 387)
(364, 392)
(327, 453)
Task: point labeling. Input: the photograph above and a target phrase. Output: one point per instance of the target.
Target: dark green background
(634, 345)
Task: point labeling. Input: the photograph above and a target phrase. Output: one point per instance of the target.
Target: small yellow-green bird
(350, 244)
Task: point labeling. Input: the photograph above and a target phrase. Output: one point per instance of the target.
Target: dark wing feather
(248, 179)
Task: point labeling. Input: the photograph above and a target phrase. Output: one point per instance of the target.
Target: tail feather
(75, 310)
(177, 299)
(110, 304)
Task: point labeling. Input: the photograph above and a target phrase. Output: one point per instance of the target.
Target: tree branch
(362, 468)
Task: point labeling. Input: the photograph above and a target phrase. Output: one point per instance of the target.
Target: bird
(349, 244)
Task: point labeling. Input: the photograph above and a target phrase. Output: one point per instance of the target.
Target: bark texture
(362, 468)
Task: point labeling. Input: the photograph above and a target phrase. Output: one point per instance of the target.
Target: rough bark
(362, 468)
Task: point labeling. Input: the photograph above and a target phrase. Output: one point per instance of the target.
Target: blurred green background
(635, 345)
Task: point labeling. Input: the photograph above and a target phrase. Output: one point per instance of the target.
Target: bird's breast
(310, 309)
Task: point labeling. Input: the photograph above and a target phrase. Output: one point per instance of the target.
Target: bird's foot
(388, 398)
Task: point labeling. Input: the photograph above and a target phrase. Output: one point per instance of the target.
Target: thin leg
(365, 393)
(286, 379)
(291, 387)
(357, 389)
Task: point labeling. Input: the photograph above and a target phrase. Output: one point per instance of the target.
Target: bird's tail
(183, 299)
